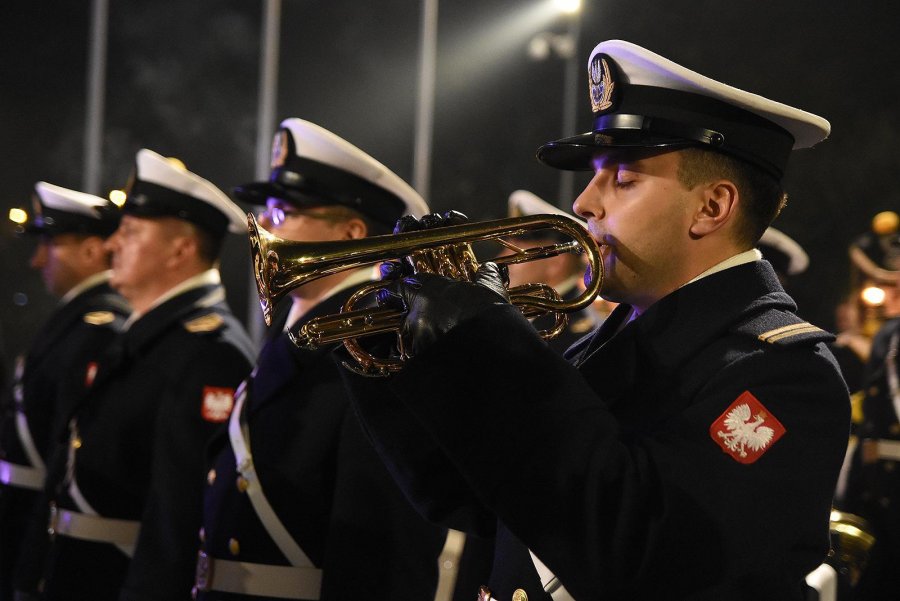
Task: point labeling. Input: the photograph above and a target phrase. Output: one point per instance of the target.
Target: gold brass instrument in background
(282, 265)
(851, 542)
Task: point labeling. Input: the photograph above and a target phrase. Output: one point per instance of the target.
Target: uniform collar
(210, 277)
(89, 282)
(357, 277)
(748, 256)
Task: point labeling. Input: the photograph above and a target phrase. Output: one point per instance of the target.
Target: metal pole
(96, 87)
(570, 110)
(268, 85)
(265, 128)
(425, 107)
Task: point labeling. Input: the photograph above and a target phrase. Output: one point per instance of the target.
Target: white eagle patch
(746, 429)
(744, 433)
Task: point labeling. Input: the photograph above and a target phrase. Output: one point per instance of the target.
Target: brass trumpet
(282, 265)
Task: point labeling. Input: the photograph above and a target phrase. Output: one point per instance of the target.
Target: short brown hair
(762, 193)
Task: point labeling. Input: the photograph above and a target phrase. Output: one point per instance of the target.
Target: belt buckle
(203, 575)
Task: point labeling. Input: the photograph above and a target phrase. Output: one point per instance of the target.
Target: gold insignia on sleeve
(99, 318)
(204, 323)
(781, 333)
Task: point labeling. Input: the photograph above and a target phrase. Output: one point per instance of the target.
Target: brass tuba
(282, 265)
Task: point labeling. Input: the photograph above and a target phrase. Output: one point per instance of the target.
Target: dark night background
(182, 80)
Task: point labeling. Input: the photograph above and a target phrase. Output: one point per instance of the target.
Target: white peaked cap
(523, 202)
(155, 169)
(70, 201)
(312, 166)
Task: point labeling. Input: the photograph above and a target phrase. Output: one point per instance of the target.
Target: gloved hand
(396, 269)
(435, 304)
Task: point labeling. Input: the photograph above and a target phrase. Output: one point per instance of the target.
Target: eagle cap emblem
(746, 430)
(280, 149)
(602, 83)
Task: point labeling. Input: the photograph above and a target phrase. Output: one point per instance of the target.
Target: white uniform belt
(21, 476)
(94, 527)
(257, 579)
(888, 449)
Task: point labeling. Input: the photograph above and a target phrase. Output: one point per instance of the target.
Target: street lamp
(564, 46)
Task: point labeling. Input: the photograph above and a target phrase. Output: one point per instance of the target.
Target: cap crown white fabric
(156, 169)
(797, 257)
(523, 202)
(639, 66)
(69, 201)
(318, 144)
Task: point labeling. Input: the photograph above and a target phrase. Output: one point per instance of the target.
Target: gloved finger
(407, 223)
(454, 218)
(489, 276)
(432, 221)
(390, 298)
(391, 270)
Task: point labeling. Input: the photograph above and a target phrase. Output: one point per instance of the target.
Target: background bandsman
(128, 507)
(70, 228)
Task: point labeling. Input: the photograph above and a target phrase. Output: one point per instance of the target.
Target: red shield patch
(90, 374)
(217, 403)
(746, 430)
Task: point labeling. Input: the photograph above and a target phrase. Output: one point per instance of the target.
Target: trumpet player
(690, 447)
(315, 514)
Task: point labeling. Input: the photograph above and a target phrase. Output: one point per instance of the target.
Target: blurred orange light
(873, 296)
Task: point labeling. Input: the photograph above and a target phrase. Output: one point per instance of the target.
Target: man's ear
(355, 228)
(184, 246)
(719, 205)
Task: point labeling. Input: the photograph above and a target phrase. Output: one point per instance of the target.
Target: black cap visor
(661, 118)
(305, 183)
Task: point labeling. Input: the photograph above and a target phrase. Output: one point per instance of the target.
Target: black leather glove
(435, 304)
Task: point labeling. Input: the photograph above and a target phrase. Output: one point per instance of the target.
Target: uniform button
(211, 477)
(76, 443)
(242, 484)
(234, 547)
(202, 534)
(448, 564)
(873, 391)
(895, 429)
(519, 595)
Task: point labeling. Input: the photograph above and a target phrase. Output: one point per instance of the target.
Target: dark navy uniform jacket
(56, 364)
(326, 484)
(873, 485)
(614, 469)
(142, 431)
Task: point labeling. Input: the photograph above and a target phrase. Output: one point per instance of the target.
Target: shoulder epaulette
(208, 322)
(99, 318)
(783, 328)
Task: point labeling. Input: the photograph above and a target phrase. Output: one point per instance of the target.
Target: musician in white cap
(688, 449)
(563, 272)
(70, 228)
(126, 507)
(316, 515)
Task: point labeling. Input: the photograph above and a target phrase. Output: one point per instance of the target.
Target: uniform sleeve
(376, 540)
(607, 510)
(165, 556)
(425, 473)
